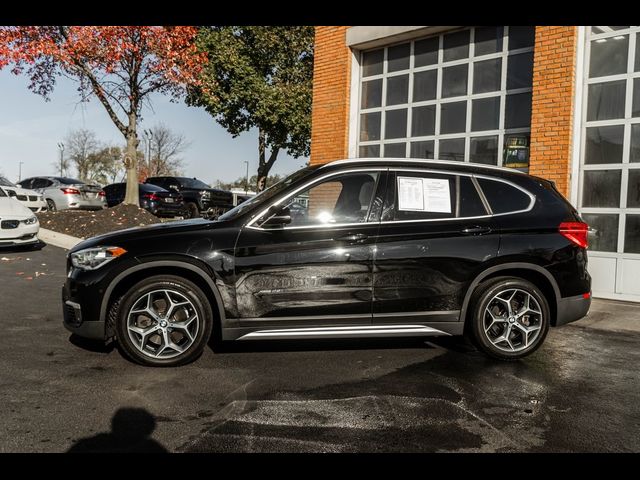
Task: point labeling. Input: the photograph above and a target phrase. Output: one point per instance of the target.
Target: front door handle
(353, 237)
(475, 230)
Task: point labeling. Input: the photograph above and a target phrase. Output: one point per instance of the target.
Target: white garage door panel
(629, 278)
(603, 274)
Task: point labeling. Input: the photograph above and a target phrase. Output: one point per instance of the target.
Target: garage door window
(462, 95)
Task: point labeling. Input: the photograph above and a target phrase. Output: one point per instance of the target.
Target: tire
(503, 336)
(191, 210)
(149, 337)
(51, 205)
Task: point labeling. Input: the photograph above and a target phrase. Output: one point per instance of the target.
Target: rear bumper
(571, 309)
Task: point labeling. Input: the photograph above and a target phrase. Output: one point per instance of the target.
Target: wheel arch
(126, 279)
(536, 274)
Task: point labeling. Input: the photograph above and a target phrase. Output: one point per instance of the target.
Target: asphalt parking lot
(579, 393)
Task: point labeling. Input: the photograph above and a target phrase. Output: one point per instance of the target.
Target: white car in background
(34, 201)
(18, 224)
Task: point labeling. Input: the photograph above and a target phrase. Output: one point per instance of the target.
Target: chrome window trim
(390, 222)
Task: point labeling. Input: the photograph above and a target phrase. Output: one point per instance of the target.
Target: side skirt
(351, 331)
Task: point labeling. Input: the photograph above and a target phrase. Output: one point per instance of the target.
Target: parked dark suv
(383, 248)
(199, 198)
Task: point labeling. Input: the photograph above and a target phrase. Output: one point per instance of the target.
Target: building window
(463, 95)
(609, 193)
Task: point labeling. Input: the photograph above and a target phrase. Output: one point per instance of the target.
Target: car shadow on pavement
(131, 430)
(96, 346)
(23, 248)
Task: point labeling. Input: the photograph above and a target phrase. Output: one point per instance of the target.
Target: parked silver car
(62, 193)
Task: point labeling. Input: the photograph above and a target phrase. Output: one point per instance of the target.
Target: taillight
(576, 232)
(70, 191)
(101, 193)
(151, 196)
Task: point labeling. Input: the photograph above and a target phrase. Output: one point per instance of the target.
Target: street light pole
(20, 171)
(61, 147)
(246, 182)
(148, 135)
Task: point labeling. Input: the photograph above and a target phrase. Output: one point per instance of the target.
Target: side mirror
(281, 218)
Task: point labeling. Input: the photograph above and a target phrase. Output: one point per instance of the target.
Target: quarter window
(444, 96)
(502, 197)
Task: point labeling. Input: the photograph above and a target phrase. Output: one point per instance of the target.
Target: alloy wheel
(163, 324)
(512, 320)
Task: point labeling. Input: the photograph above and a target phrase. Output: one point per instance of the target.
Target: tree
(106, 165)
(166, 147)
(120, 65)
(80, 145)
(259, 77)
(241, 182)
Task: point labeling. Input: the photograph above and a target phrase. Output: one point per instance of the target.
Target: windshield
(192, 183)
(6, 183)
(265, 195)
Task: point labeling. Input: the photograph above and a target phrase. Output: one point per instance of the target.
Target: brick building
(561, 102)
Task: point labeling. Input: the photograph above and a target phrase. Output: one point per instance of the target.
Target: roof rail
(425, 162)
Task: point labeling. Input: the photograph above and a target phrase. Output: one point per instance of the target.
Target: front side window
(462, 96)
(2, 194)
(338, 199)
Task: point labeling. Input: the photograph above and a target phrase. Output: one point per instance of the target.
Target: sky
(31, 128)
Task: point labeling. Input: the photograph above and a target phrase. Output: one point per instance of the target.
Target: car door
(435, 234)
(317, 267)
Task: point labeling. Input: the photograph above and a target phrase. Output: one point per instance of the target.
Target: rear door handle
(475, 230)
(354, 237)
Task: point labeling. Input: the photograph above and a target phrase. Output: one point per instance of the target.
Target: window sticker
(424, 194)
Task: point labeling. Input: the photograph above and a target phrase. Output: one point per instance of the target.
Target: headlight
(94, 258)
(41, 198)
(30, 221)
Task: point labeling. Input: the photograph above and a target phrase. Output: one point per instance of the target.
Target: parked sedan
(62, 193)
(18, 224)
(30, 199)
(156, 200)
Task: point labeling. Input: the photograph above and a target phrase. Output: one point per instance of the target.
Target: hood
(10, 207)
(148, 230)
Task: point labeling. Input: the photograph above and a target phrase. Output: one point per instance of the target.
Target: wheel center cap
(512, 319)
(163, 323)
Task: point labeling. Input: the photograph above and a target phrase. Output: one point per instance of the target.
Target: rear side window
(426, 196)
(502, 197)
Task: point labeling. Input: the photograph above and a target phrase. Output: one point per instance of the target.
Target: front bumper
(571, 309)
(22, 235)
(74, 322)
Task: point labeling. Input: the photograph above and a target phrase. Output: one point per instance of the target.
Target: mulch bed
(85, 224)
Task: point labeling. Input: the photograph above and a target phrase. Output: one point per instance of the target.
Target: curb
(57, 239)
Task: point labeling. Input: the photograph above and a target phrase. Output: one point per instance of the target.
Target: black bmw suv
(375, 247)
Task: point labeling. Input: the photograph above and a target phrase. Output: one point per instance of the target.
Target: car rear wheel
(51, 205)
(510, 318)
(191, 210)
(164, 321)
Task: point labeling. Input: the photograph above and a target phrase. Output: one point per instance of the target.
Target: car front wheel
(164, 321)
(510, 318)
